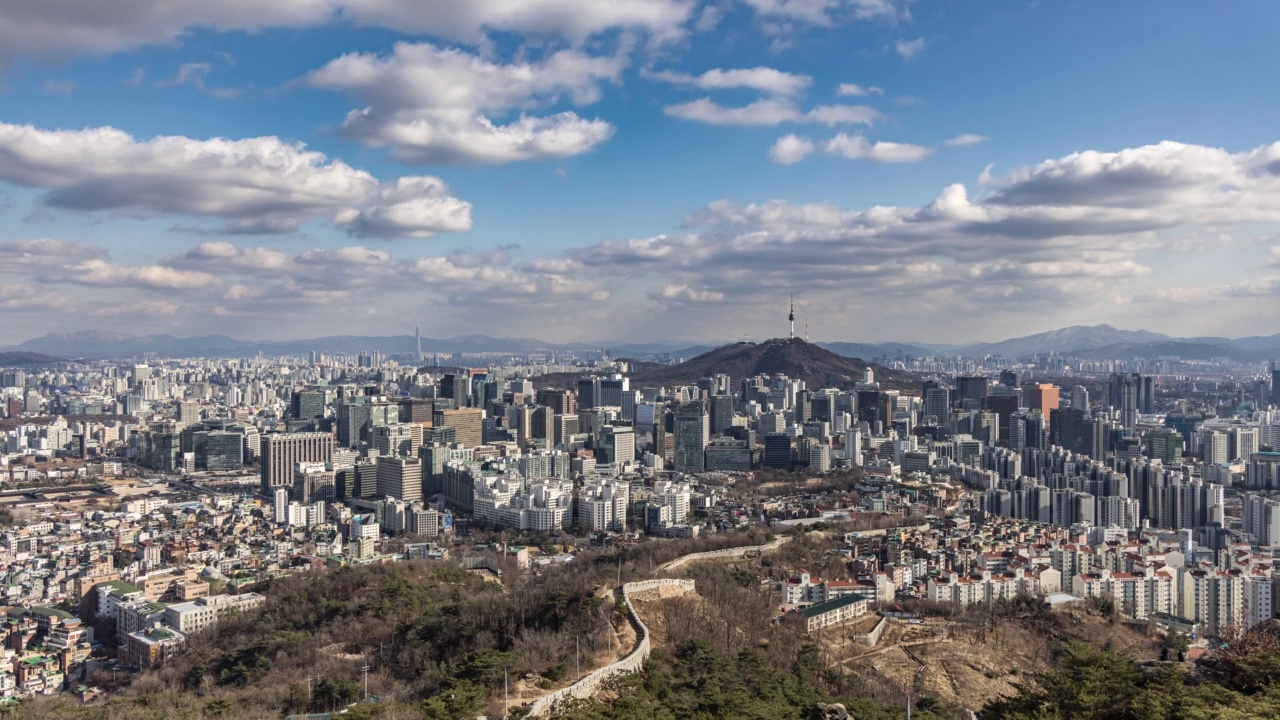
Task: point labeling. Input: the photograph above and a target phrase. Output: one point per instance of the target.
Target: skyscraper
(693, 433)
(281, 452)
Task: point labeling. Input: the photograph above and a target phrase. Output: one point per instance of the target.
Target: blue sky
(637, 170)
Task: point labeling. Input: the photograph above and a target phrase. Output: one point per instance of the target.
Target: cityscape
(631, 359)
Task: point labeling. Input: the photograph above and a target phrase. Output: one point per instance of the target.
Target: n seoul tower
(792, 317)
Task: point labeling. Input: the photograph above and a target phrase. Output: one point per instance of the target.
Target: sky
(638, 170)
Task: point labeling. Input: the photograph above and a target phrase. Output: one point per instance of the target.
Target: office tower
(1004, 406)
(1214, 447)
(1011, 378)
(542, 432)
(397, 439)
(1124, 398)
(693, 433)
(400, 478)
(588, 392)
(971, 388)
(280, 505)
(281, 452)
(561, 402)
(1243, 443)
(456, 387)
(1165, 445)
(360, 480)
(722, 407)
(307, 405)
(188, 413)
(1079, 398)
(219, 450)
(358, 417)
(467, 424)
(777, 451)
(853, 447)
(611, 390)
(616, 444)
(1275, 383)
(415, 410)
(937, 403)
(1042, 397)
(313, 482)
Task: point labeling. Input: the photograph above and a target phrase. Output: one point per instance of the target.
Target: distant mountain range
(1097, 342)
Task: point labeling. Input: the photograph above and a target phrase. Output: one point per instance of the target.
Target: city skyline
(651, 170)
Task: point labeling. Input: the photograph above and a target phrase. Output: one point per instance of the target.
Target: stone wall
(726, 553)
(633, 662)
(871, 638)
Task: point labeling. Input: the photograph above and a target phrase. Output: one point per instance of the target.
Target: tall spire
(791, 316)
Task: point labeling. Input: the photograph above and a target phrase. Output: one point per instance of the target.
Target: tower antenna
(791, 316)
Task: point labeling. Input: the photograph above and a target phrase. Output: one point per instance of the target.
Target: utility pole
(366, 678)
(506, 702)
(577, 656)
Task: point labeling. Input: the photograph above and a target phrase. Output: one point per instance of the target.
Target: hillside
(795, 358)
(25, 359)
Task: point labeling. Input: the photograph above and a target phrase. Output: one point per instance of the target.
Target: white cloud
(852, 89)
(258, 185)
(194, 74)
(770, 111)
(909, 48)
(789, 149)
(766, 80)
(683, 294)
(145, 308)
(856, 147)
(437, 105)
(824, 12)
(963, 140)
(63, 28)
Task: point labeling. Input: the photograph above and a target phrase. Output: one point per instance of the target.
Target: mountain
(818, 367)
(22, 359)
(1064, 340)
(876, 350)
(1171, 348)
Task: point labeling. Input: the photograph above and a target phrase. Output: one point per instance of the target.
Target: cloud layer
(1079, 231)
(257, 185)
(439, 105)
(62, 28)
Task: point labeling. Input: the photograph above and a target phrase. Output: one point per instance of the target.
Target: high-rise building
(281, 452)
(1275, 383)
(398, 438)
(456, 387)
(937, 403)
(588, 391)
(777, 451)
(692, 434)
(357, 418)
(306, 405)
(972, 388)
(188, 412)
(616, 444)
(722, 407)
(1042, 397)
(467, 423)
(313, 482)
(561, 402)
(400, 478)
